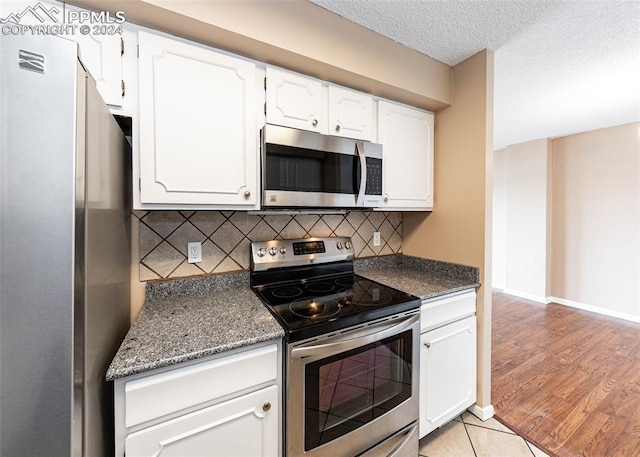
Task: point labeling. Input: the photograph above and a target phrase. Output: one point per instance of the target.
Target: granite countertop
(420, 277)
(191, 318)
(187, 319)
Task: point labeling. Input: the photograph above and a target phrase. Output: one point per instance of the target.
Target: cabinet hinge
(265, 108)
(122, 85)
(138, 50)
(265, 83)
(139, 183)
(121, 46)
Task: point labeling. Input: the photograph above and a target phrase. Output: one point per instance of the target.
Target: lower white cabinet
(447, 362)
(244, 426)
(223, 406)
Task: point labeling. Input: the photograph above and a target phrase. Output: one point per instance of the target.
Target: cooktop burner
(315, 308)
(310, 287)
(351, 300)
(287, 292)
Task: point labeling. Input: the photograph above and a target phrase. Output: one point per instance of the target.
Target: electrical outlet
(194, 252)
(376, 238)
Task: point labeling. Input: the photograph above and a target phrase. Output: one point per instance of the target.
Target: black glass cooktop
(311, 307)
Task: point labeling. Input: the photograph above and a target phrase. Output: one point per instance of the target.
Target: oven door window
(346, 391)
(306, 170)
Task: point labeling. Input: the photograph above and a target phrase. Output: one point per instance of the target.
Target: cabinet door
(447, 373)
(198, 140)
(294, 100)
(407, 137)
(246, 426)
(102, 54)
(350, 113)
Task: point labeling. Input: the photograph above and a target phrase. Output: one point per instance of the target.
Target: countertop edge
(114, 375)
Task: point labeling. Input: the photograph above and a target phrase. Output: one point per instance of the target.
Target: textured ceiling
(561, 66)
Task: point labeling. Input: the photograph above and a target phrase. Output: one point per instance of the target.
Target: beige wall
(301, 36)
(522, 187)
(590, 242)
(596, 220)
(459, 228)
(499, 228)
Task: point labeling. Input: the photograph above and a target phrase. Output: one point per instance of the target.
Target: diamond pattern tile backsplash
(226, 237)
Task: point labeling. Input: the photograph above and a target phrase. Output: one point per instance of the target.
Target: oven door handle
(344, 345)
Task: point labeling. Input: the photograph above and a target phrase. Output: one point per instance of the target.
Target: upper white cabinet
(102, 54)
(406, 134)
(350, 113)
(303, 102)
(198, 138)
(295, 100)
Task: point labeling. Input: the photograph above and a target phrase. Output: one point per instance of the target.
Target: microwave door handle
(363, 173)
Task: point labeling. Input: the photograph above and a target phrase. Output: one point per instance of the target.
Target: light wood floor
(567, 380)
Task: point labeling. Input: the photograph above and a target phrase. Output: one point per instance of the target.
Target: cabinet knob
(247, 194)
(386, 199)
(266, 407)
(314, 122)
(427, 345)
(338, 128)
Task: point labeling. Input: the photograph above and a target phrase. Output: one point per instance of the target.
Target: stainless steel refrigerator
(64, 251)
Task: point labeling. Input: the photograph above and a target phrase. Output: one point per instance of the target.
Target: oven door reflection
(347, 396)
(349, 390)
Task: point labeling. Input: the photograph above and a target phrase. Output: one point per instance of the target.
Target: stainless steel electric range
(351, 358)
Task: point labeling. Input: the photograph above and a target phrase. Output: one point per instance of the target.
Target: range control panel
(266, 255)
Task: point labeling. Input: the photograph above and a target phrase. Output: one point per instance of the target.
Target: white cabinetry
(225, 406)
(406, 134)
(350, 113)
(303, 102)
(238, 427)
(295, 100)
(198, 136)
(447, 359)
(102, 54)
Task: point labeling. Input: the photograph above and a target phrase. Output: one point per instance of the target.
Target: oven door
(348, 392)
(307, 169)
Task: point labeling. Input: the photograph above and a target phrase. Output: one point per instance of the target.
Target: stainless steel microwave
(303, 169)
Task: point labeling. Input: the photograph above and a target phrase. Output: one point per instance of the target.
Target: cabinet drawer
(243, 426)
(164, 393)
(440, 311)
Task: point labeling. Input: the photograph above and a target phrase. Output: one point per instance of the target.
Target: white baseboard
(483, 414)
(594, 309)
(526, 296)
(498, 287)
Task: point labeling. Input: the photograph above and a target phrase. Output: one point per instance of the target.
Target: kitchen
(386, 223)
(459, 229)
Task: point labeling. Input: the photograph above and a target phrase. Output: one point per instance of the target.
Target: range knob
(347, 245)
(261, 252)
(339, 245)
(283, 250)
(273, 251)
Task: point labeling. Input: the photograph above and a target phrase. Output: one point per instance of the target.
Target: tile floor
(468, 436)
